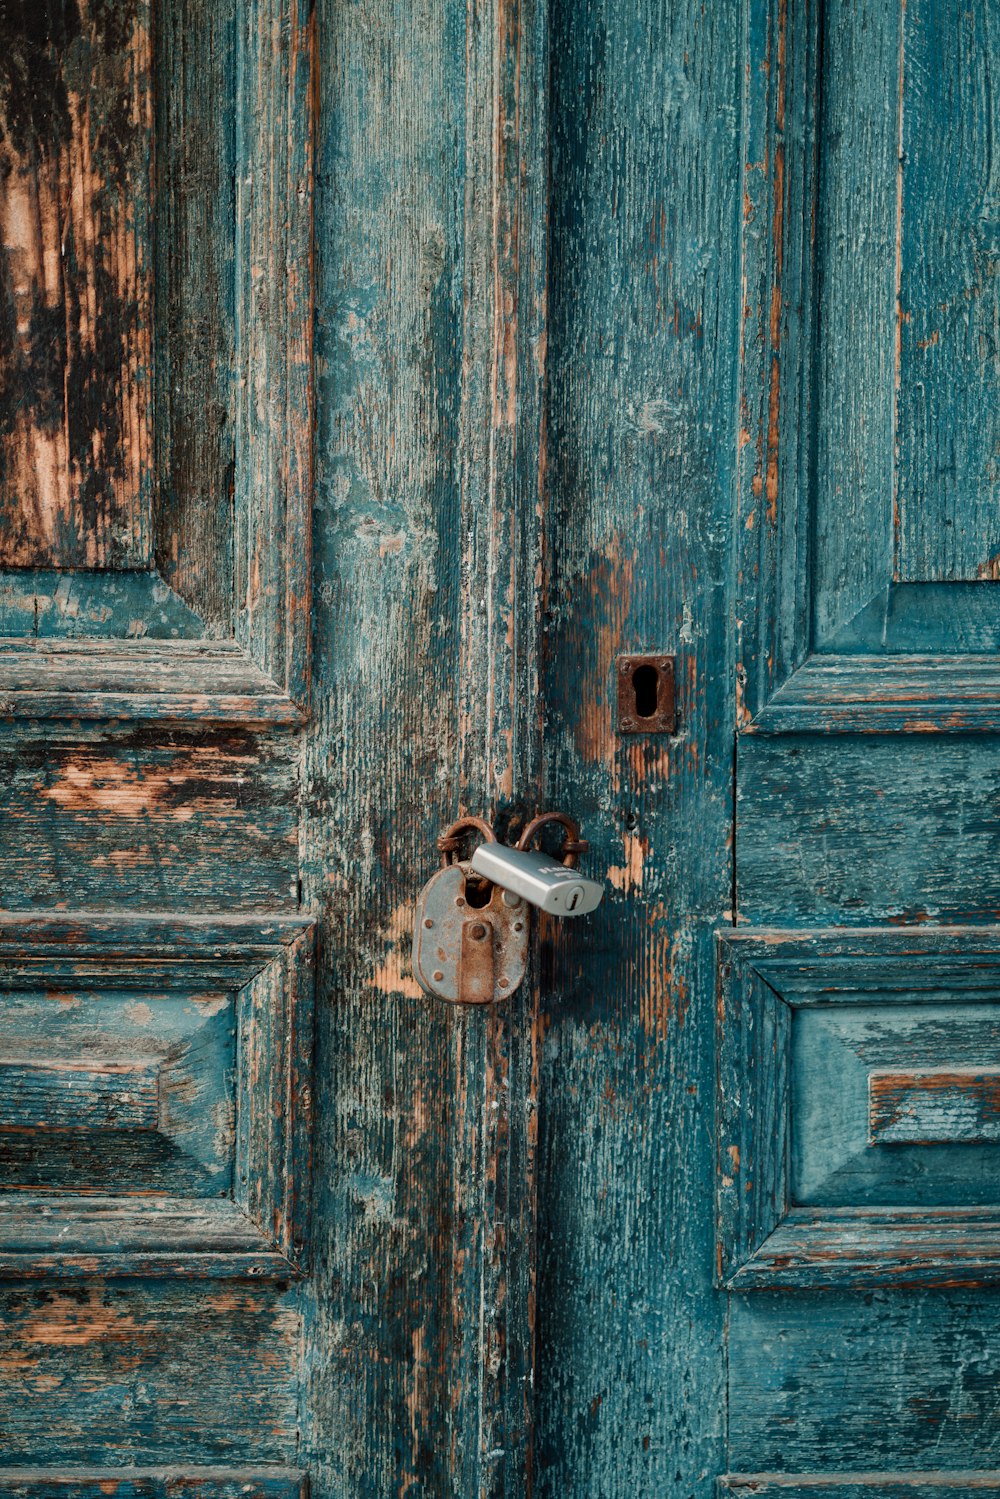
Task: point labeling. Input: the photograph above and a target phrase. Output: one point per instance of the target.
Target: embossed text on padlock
(467, 954)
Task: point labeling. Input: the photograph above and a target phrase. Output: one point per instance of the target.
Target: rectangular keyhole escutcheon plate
(934, 1106)
(646, 694)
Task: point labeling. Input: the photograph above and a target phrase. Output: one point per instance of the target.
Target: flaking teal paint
(580, 299)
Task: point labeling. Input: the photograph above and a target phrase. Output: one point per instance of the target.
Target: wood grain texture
(868, 830)
(59, 1093)
(874, 694)
(122, 1373)
(274, 106)
(76, 285)
(135, 818)
(949, 392)
(752, 1112)
(844, 1055)
(223, 508)
(75, 1237)
(934, 1106)
(780, 106)
(196, 48)
(162, 1483)
(791, 1114)
(857, 1249)
(431, 344)
(839, 1383)
(847, 246)
(232, 1098)
(117, 1092)
(929, 1485)
(855, 335)
(644, 299)
(211, 681)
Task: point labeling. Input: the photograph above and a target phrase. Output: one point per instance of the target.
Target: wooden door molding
(174, 1482)
(176, 1066)
(931, 1485)
(192, 520)
(811, 1192)
(864, 603)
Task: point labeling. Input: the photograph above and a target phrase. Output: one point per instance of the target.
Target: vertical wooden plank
(276, 85)
(643, 338)
(778, 295)
(856, 336)
(505, 237)
(431, 357)
(195, 248)
(949, 481)
(386, 540)
(75, 284)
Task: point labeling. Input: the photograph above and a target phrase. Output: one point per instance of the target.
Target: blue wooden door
(375, 378)
(858, 1023)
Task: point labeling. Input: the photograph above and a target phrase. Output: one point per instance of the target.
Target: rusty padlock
(467, 953)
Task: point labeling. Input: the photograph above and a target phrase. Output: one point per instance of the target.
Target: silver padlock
(538, 878)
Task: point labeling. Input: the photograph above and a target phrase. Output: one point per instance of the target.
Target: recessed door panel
(891, 1103)
(155, 377)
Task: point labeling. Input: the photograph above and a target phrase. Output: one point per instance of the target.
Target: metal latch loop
(451, 840)
(573, 845)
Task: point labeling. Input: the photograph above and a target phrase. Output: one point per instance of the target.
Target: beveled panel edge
(762, 1242)
(783, 686)
(177, 951)
(166, 1482)
(843, 1249)
(193, 681)
(915, 1485)
(170, 949)
(885, 694)
(272, 494)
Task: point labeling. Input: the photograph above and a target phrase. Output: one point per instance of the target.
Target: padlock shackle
(451, 840)
(573, 844)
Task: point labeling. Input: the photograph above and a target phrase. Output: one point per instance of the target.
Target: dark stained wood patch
(75, 283)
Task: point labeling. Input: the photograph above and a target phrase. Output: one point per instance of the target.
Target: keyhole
(478, 892)
(645, 685)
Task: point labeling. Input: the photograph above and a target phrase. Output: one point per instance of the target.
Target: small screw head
(503, 983)
(665, 664)
(628, 723)
(428, 923)
(477, 932)
(438, 975)
(460, 900)
(625, 667)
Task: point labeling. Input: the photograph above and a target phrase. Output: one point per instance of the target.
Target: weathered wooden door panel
(637, 327)
(155, 459)
(857, 1021)
(156, 995)
(643, 296)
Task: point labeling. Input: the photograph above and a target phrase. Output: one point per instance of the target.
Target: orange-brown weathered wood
(75, 285)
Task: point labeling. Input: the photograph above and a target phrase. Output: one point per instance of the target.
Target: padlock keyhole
(478, 893)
